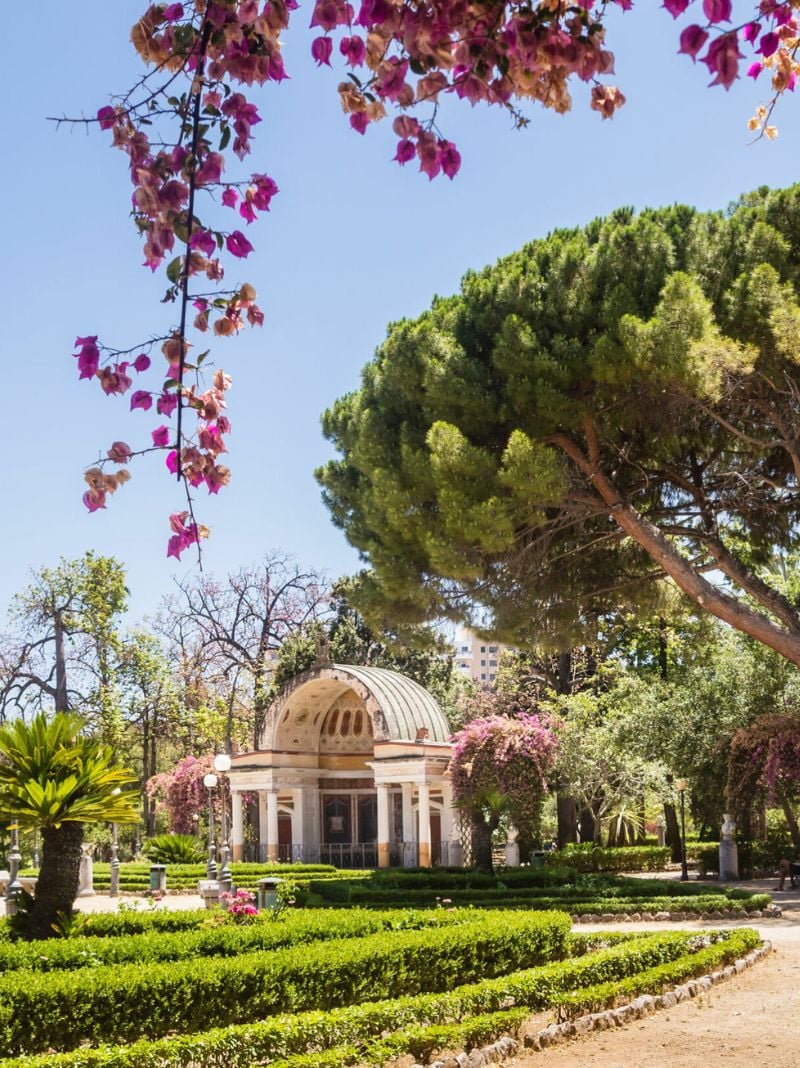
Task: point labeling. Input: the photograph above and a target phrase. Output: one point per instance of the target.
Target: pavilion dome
(400, 710)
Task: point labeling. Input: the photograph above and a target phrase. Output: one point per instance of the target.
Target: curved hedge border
(225, 940)
(638, 960)
(60, 1010)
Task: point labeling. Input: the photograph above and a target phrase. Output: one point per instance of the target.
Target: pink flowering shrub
(240, 905)
(764, 761)
(182, 123)
(181, 792)
(499, 766)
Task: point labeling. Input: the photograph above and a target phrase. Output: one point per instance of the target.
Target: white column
(297, 822)
(424, 825)
(262, 825)
(237, 825)
(272, 825)
(409, 850)
(450, 827)
(382, 790)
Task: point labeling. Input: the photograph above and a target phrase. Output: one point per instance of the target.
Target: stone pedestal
(728, 861)
(728, 851)
(86, 877)
(660, 831)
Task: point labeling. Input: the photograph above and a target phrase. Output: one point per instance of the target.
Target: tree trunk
(59, 876)
(567, 813)
(62, 701)
(586, 825)
(663, 663)
(672, 832)
(791, 821)
(482, 843)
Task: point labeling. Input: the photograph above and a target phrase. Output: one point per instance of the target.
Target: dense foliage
(606, 407)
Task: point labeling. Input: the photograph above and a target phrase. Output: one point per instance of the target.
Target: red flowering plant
(240, 905)
(499, 767)
(183, 120)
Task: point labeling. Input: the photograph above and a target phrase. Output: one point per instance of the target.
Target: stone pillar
(382, 791)
(424, 825)
(728, 851)
(262, 825)
(297, 824)
(512, 847)
(409, 849)
(272, 825)
(451, 826)
(86, 877)
(237, 826)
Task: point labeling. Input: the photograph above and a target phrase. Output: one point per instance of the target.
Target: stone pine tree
(608, 407)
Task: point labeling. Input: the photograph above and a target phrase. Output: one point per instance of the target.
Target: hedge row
(599, 858)
(294, 928)
(59, 1010)
(135, 878)
(422, 1042)
(523, 992)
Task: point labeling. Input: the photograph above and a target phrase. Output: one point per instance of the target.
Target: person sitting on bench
(790, 868)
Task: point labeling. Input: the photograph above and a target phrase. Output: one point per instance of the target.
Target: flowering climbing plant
(764, 760)
(186, 129)
(501, 764)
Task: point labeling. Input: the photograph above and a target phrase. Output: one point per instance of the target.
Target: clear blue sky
(353, 242)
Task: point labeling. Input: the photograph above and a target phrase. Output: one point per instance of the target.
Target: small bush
(174, 849)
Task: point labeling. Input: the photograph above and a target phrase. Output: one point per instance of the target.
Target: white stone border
(506, 1047)
(772, 911)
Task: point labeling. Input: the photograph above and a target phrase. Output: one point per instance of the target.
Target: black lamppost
(682, 786)
(210, 783)
(222, 765)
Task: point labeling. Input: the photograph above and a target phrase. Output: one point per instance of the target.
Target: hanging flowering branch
(181, 122)
(764, 760)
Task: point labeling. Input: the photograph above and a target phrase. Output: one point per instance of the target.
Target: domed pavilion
(351, 770)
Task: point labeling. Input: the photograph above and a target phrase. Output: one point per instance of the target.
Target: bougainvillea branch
(180, 122)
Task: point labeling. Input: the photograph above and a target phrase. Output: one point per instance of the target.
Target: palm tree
(55, 779)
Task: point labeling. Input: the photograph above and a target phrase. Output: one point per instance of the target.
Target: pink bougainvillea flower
(247, 211)
(114, 380)
(321, 49)
(263, 190)
(449, 158)
(172, 462)
(88, 357)
(354, 50)
(406, 150)
(210, 170)
(238, 245)
(230, 197)
(754, 70)
(161, 437)
(94, 499)
(722, 59)
(173, 12)
(120, 452)
(676, 7)
(203, 241)
(717, 10)
(770, 43)
(142, 362)
(141, 399)
(751, 31)
(692, 40)
(107, 117)
(166, 404)
(359, 121)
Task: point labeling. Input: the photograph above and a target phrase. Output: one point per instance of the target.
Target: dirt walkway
(750, 1021)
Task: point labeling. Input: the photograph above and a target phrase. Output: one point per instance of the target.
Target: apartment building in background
(476, 657)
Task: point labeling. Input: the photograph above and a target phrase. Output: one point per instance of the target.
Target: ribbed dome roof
(407, 707)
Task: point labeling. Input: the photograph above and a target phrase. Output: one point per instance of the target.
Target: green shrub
(630, 957)
(124, 1002)
(174, 849)
(216, 940)
(597, 858)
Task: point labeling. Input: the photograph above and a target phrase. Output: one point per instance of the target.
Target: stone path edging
(506, 1047)
(769, 912)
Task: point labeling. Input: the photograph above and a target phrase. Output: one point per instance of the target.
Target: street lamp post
(14, 885)
(222, 765)
(114, 888)
(682, 786)
(210, 783)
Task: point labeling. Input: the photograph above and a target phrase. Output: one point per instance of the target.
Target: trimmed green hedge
(512, 996)
(589, 858)
(135, 877)
(216, 940)
(60, 1010)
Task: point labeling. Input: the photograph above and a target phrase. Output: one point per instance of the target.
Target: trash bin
(208, 889)
(268, 892)
(537, 858)
(158, 877)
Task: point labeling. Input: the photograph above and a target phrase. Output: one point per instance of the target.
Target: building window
(492, 648)
(492, 663)
(483, 663)
(483, 676)
(483, 648)
(492, 677)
